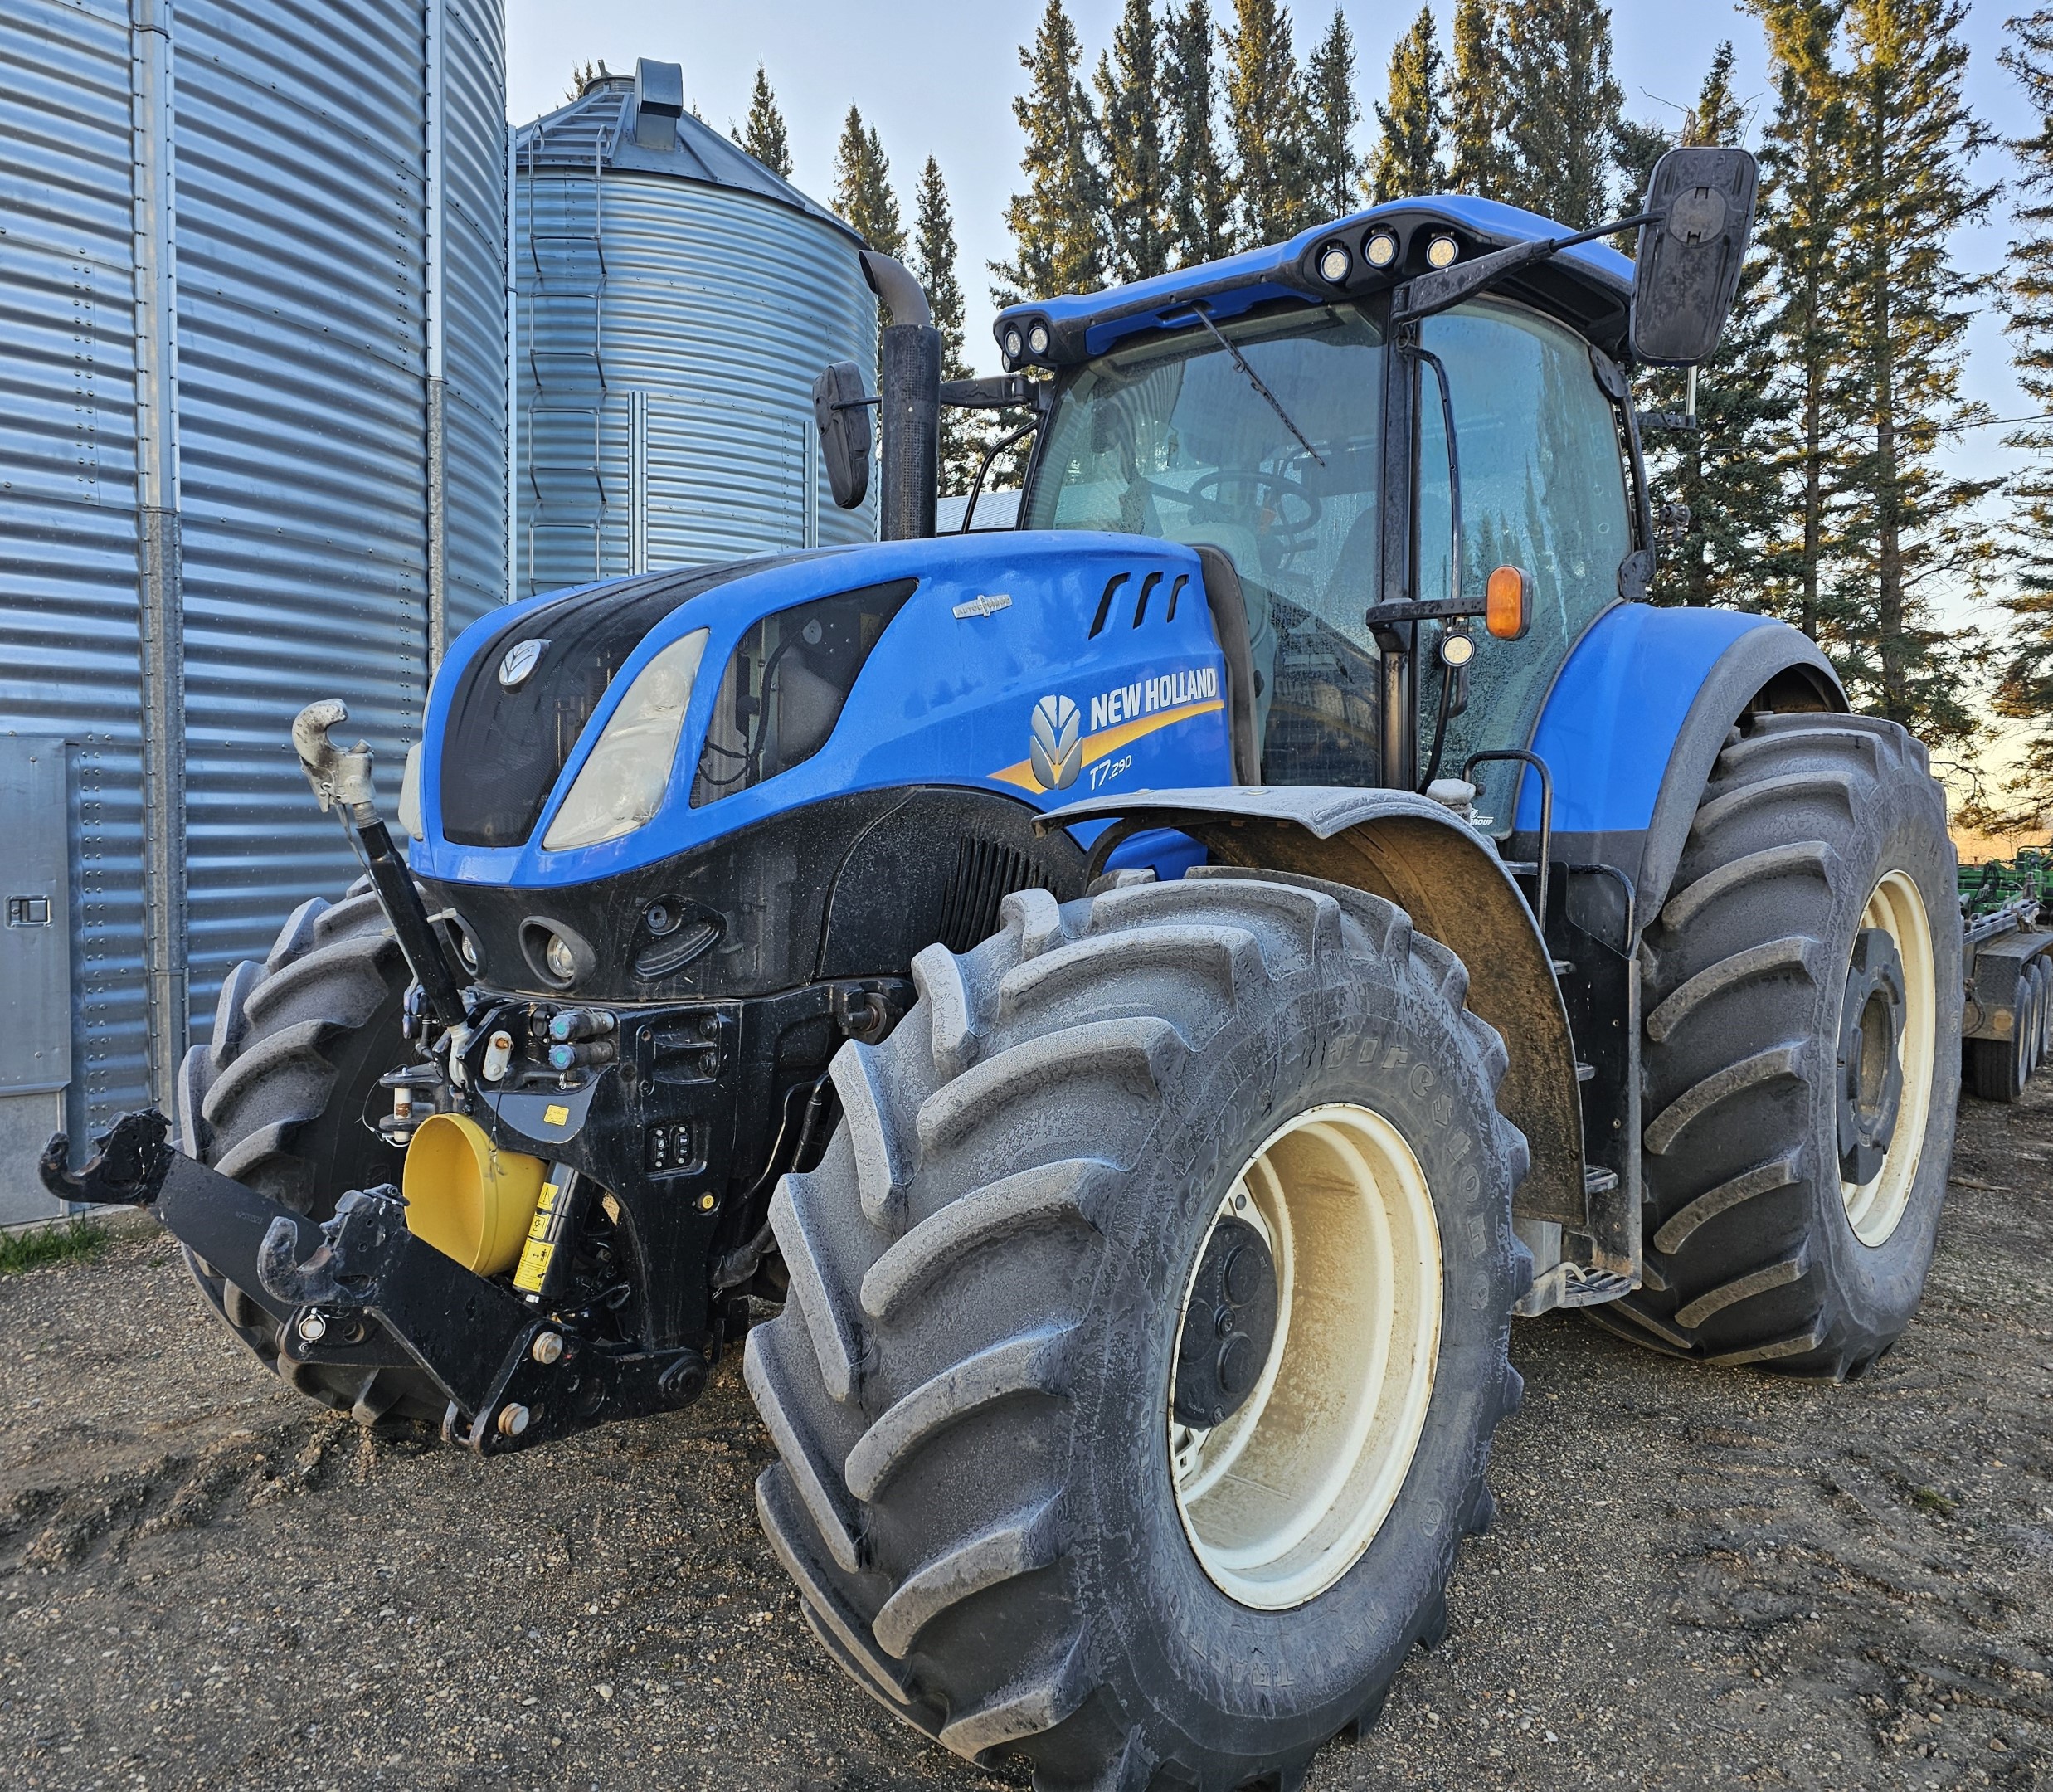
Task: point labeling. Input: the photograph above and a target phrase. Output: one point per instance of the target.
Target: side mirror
(841, 411)
(1687, 266)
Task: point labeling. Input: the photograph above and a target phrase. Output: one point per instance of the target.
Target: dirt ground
(1698, 1578)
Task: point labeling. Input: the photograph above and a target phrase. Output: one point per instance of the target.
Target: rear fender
(1635, 723)
(1417, 855)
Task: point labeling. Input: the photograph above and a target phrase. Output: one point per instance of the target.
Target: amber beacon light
(1508, 603)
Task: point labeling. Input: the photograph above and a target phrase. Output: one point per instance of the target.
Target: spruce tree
(764, 136)
(1725, 471)
(2024, 691)
(1407, 162)
(1200, 201)
(1332, 112)
(934, 255)
(1056, 223)
(1265, 118)
(1475, 101)
(1563, 109)
(862, 188)
(1130, 121)
(1804, 176)
(1904, 310)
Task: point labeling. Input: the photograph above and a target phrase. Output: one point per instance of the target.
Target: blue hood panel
(999, 625)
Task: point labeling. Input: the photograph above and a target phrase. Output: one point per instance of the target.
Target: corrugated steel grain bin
(252, 451)
(676, 300)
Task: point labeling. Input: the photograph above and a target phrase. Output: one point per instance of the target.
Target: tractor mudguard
(1634, 723)
(1417, 854)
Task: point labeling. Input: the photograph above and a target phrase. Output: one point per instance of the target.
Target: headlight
(410, 794)
(562, 961)
(622, 784)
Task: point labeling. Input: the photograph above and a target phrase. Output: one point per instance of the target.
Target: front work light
(1508, 603)
(1441, 252)
(1037, 338)
(1334, 262)
(1381, 249)
(623, 783)
(1016, 344)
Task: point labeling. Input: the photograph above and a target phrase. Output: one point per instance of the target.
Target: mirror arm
(1430, 294)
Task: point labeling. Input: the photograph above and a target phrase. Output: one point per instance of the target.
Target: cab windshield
(1170, 437)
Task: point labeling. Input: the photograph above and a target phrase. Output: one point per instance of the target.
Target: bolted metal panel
(676, 301)
(473, 161)
(69, 642)
(302, 345)
(216, 418)
(308, 411)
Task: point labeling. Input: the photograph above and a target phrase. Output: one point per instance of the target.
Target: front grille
(986, 874)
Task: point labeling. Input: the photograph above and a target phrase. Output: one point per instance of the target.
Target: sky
(937, 77)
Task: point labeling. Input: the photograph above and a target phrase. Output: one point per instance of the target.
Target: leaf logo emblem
(519, 662)
(1056, 753)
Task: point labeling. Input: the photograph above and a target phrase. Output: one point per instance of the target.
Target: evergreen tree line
(1816, 486)
(1195, 136)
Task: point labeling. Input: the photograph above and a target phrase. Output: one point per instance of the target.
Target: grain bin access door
(34, 967)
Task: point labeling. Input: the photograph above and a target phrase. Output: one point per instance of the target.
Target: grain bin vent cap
(640, 121)
(658, 103)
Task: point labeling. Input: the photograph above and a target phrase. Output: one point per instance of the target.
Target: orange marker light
(1508, 604)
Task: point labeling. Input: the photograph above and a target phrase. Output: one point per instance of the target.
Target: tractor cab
(1354, 447)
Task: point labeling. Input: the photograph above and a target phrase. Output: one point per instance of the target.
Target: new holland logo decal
(1058, 750)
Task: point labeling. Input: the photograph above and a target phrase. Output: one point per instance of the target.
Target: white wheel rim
(1284, 1497)
(1876, 1209)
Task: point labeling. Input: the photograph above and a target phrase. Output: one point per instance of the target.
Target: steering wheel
(1270, 493)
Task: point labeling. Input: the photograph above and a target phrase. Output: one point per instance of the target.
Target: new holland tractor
(1146, 996)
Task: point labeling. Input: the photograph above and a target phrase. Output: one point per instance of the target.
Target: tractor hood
(1037, 667)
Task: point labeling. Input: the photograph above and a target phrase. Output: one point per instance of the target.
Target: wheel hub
(1304, 1363)
(1870, 1058)
(1229, 1324)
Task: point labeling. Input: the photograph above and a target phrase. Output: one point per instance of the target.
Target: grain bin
(676, 300)
(253, 397)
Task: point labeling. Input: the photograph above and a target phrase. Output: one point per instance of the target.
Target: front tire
(280, 1099)
(988, 1493)
(1802, 998)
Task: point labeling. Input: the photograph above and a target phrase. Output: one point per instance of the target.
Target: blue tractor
(1147, 995)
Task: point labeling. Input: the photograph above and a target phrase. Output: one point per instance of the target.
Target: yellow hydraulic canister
(466, 1197)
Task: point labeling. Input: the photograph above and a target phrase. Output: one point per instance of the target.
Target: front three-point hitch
(359, 1291)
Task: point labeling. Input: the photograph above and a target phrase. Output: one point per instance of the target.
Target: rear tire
(1815, 831)
(280, 1099)
(969, 1386)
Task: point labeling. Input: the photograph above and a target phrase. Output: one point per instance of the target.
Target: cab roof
(1589, 287)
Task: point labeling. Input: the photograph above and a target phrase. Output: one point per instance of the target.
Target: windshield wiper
(1254, 379)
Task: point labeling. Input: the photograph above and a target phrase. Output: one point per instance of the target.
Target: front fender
(1417, 855)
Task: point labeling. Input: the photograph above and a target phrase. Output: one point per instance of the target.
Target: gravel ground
(1697, 1579)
